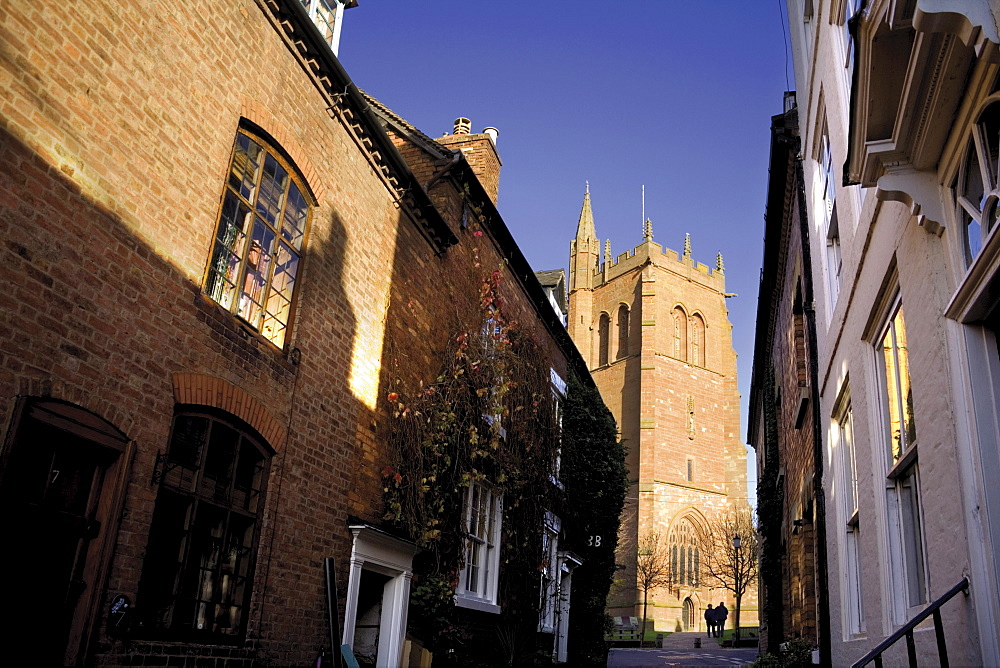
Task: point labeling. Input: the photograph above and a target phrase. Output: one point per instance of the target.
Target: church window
(690, 417)
(977, 189)
(623, 324)
(697, 340)
(198, 573)
(603, 336)
(685, 554)
(258, 242)
(680, 333)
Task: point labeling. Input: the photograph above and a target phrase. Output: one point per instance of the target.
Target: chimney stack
(480, 149)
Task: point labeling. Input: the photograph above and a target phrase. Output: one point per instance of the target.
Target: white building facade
(899, 108)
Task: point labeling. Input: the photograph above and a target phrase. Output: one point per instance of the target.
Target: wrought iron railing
(907, 631)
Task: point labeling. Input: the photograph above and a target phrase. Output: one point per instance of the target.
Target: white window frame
(322, 12)
(550, 573)
(558, 400)
(847, 10)
(907, 553)
(977, 219)
(831, 218)
(478, 582)
(842, 439)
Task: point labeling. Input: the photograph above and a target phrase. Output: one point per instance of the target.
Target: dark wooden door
(48, 495)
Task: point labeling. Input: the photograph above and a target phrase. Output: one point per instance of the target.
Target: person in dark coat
(709, 619)
(721, 615)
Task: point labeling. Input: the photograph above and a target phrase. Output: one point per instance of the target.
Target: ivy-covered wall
(596, 480)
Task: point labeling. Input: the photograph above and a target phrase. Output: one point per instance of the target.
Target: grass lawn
(746, 633)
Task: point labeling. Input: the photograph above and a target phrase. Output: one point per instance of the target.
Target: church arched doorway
(689, 618)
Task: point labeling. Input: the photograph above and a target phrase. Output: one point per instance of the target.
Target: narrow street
(679, 650)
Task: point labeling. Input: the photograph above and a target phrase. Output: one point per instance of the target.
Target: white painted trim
(377, 551)
(977, 421)
(463, 601)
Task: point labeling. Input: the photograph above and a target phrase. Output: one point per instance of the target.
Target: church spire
(585, 249)
(585, 230)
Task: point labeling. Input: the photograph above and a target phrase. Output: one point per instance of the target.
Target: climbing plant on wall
(770, 501)
(596, 479)
(488, 416)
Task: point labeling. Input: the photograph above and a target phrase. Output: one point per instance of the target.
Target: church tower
(654, 328)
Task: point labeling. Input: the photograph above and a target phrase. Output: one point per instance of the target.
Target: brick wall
(481, 153)
(116, 126)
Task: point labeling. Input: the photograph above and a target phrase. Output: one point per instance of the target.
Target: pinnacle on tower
(719, 267)
(607, 252)
(585, 228)
(647, 230)
(687, 246)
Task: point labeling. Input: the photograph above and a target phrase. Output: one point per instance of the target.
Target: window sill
(479, 604)
(903, 464)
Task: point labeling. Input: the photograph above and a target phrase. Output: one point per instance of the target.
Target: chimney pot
(463, 126)
(492, 132)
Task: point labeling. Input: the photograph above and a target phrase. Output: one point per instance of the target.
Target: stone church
(654, 328)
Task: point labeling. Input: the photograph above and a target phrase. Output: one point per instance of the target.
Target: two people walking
(715, 619)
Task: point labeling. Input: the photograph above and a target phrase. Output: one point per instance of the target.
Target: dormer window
(328, 15)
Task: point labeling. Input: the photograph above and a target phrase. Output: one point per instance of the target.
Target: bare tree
(652, 569)
(730, 554)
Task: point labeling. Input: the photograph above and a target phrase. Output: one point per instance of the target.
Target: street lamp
(736, 550)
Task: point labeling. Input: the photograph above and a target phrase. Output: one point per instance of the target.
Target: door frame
(84, 424)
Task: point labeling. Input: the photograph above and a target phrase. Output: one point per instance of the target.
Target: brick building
(897, 110)
(215, 269)
(653, 326)
(782, 415)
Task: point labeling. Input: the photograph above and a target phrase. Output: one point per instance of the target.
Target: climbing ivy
(596, 479)
(488, 415)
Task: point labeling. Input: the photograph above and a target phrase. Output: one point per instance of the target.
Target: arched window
(603, 339)
(697, 340)
(977, 189)
(680, 333)
(258, 242)
(198, 572)
(623, 331)
(685, 555)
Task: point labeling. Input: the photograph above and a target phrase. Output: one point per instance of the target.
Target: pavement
(679, 650)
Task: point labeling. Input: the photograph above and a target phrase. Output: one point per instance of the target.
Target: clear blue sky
(673, 95)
